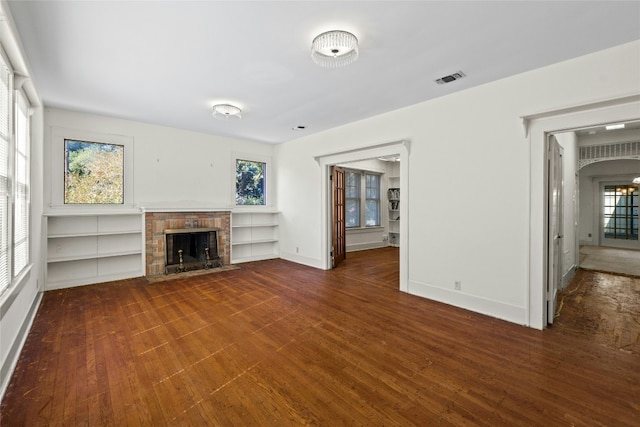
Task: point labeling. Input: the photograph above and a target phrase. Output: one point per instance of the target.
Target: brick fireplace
(157, 222)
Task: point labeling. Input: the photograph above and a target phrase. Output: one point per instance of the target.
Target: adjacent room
(319, 213)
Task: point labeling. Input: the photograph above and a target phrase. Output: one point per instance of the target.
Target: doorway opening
(537, 128)
(601, 205)
(358, 157)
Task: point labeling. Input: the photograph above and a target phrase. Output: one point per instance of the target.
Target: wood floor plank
(275, 343)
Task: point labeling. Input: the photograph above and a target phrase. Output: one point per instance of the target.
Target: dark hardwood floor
(279, 344)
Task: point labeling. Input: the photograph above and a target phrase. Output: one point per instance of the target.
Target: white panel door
(555, 225)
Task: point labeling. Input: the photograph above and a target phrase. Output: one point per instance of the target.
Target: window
(361, 210)
(621, 212)
(94, 173)
(352, 199)
(250, 182)
(373, 200)
(5, 144)
(14, 178)
(22, 186)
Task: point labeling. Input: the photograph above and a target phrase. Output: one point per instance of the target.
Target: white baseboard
(497, 309)
(310, 262)
(566, 277)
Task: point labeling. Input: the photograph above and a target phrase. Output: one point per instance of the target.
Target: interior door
(338, 252)
(555, 225)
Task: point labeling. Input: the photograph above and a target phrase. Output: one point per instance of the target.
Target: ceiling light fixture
(614, 127)
(636, 180)
(334, 49)
(226, 111)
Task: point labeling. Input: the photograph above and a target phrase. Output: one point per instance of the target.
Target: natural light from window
(94, 173)
(250, 182)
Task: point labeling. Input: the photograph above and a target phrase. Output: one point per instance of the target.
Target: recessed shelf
(254, 236)
(85, 249)
(93, 256)
(109, 233)
(393, 198)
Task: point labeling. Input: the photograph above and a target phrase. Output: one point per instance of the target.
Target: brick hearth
(157, 222)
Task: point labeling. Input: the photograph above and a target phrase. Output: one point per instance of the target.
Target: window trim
(66, 189)
(58, 137)
(7, 230)
(268, 180)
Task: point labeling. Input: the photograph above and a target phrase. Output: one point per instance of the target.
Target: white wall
(469, 179)
(173, 168)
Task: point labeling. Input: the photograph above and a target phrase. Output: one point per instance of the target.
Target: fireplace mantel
(186, 207)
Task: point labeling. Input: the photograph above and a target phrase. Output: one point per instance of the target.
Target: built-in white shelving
(393, 196)
(254, 236)
(91, 248)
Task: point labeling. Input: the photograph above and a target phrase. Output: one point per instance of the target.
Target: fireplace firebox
(190, 249)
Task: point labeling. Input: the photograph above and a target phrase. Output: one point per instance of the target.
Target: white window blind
(5, 139)
(21, 193)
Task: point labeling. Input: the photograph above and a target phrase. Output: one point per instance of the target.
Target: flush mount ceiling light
(226, 111)
(334, 49)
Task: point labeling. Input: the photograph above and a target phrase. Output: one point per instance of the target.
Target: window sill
(358, 230)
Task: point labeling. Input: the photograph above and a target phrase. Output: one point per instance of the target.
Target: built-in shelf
(254, 236)
(92, 248)
(255, 225)
(55, 236)
(393, 200)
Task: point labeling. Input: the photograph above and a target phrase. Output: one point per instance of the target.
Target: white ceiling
(168, 62)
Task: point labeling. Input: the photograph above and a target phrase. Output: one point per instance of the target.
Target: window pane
(352, 213)
(372, 205)
(352, 185)
(21, 198)
(373, 213)
(94, 173)
(620, 217)
(250, 182)
(4, 174)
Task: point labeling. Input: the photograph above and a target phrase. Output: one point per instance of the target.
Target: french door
(339, 241)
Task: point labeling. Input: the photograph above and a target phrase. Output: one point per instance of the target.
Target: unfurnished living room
(285, 213)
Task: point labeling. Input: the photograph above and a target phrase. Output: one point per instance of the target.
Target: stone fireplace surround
(157, 222)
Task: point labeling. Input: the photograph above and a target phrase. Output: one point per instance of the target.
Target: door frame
(537, 127)
(401, 148)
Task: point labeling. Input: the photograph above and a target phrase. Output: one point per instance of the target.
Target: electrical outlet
(385, 237)
(457, 285)
(297, 249)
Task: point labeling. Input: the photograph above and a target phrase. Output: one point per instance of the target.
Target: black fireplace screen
(191, 249)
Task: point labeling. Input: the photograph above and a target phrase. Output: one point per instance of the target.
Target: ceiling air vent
(451, 77)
